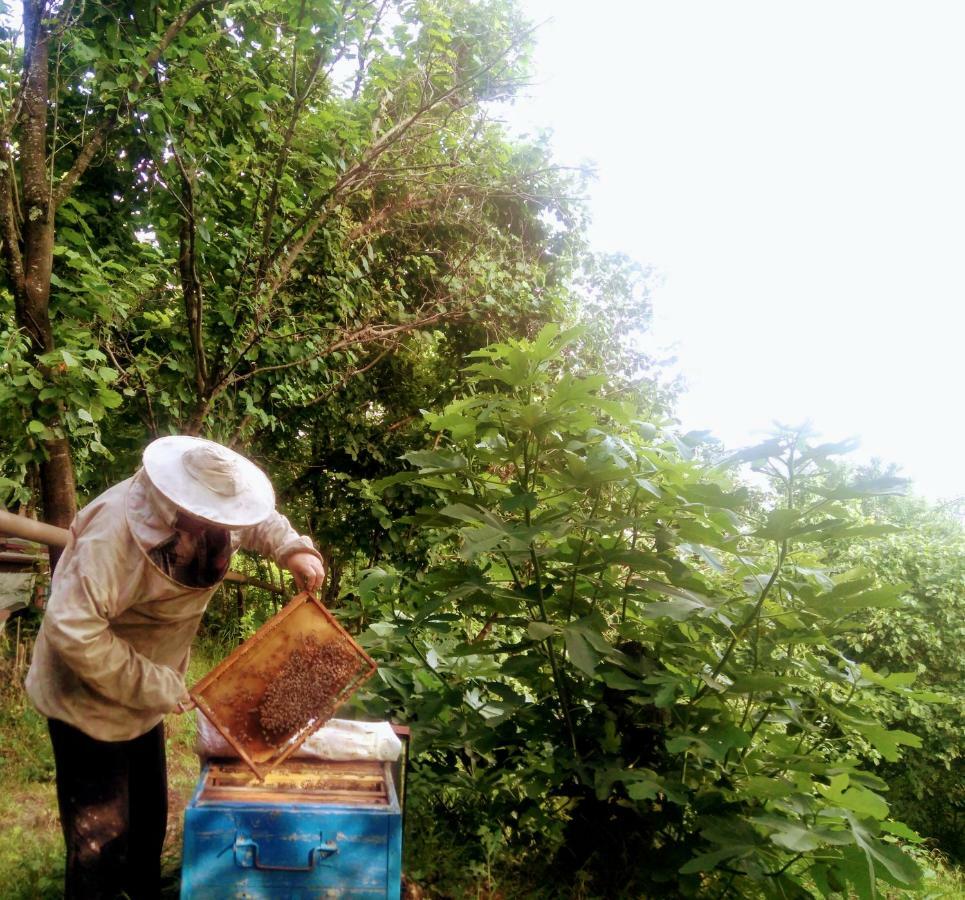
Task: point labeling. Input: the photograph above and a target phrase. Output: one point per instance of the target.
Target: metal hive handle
(246, 855)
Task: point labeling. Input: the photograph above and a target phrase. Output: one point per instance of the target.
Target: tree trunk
(239, 605)
(58, 490)
(27, 229)
(58, 494)
(333, 582)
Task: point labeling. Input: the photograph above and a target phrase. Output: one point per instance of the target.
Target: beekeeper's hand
(308, 570)
(185, 703)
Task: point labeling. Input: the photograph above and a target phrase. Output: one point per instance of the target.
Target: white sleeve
(276, 539)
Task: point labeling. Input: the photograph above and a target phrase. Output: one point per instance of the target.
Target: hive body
(311, 831)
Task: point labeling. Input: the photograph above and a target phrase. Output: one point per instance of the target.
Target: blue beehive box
(311, 829)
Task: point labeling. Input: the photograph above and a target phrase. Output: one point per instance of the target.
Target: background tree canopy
(245, 207)
(297, 228)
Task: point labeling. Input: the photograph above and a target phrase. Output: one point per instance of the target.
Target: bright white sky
(796, 173)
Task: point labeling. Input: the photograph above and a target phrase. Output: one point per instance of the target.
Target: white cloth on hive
(337, 739)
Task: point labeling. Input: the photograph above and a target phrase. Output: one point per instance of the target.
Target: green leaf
(780, 525)
(648, 486)
(372, 581)
(896, 863)
(464, 513)
(540, 631)
(684, 605)
(619, 680)
(644, 789)
(798, 836)
(764, 788)
(759, 682)
(527, 500)
(459, 426)
(765, 450)
(842, 602)
(888, 741)
(707, 862)
(711, 744)
(110, 399)
(436, 460)
(679, 609)
(579, 651)
(481, 539)
(858, 799)
(900, 829)
(855, 869)
(869, 487)
(712, 495)
(380, 484)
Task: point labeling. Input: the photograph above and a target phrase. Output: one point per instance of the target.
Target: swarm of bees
(305, 688)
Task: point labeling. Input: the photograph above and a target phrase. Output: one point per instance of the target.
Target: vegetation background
(297, 228)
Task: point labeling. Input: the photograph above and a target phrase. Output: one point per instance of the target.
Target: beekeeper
(141, 563)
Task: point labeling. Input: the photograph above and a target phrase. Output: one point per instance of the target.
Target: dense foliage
(926, 636)
(251, 205)
(616, 652)
(293, 227)
(617, 648)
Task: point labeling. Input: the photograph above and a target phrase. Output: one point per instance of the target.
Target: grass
(31, 846)
(942, 881)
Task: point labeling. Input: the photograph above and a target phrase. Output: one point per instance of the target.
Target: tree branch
(366, 335)
(83, 160)
(346, 377)
(282, 160)
(9, 230)
(363, 49)
(190, 282)
(353, 178)
(107, 124)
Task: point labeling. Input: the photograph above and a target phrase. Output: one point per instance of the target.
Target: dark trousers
(113, 801)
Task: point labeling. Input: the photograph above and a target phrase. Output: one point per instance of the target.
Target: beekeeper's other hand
(308, 570)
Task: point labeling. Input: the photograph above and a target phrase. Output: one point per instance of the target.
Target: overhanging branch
(89, 150)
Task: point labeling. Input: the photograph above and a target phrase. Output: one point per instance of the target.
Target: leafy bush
(624, 662)
(927, 636)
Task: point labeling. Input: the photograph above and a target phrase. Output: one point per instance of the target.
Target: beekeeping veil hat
(209, 481)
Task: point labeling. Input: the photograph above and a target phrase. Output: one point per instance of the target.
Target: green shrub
(926, 636)
(624, 662)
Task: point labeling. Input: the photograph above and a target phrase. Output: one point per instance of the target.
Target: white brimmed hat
(209, 481)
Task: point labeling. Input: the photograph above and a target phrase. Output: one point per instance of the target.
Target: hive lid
(283, 683)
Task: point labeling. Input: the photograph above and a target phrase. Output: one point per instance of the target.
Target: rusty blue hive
(310, 829)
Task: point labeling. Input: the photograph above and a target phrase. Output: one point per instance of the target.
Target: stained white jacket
(113, 648)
